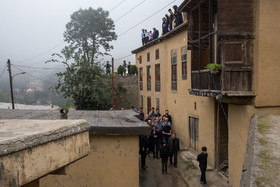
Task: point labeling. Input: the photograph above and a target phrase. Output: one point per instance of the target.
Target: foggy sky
(30, 28)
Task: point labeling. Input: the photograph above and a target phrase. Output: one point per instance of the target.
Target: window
(141, 78)
(148, 57)
(149, 104)
(157, 54)
(141, 101)
(184, 62)
(233, 53)
(158, 103)
(140, 59)
(193, 132)
(149, 78)
(157, 77)
(173, 70)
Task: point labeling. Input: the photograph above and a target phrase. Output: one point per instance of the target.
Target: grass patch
(190, 165)
(259, 181)
(263, 141)
(265, 156)
(263, 126)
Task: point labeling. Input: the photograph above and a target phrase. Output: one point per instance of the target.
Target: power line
(2, 73)
(146, 18)
(34, 76)
(41, 53)
(32, 67)
(123, 57)
(129, 11)
(117, 5)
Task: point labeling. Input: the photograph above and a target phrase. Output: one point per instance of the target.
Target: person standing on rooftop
(143, 36)
(155, 34)
(164, 26)
(150, 36)
(167, 18)
(171, 19)
(146, 36)
(178, 16)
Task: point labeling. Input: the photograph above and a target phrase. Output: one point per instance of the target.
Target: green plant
(121, 87)
(133, 70)
(120, 70)
(214, 66)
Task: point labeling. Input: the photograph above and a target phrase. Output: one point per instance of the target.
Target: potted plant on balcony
(214, 68)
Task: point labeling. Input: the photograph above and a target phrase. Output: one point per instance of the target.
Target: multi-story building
(207, 109)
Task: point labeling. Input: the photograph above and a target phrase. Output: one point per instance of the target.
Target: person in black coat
(167, 116)
(155, 34)
(155, 142)
(164, 26)
(164, 157)
(173, 147)
(144, 147)
(178, 16)
(202, 159)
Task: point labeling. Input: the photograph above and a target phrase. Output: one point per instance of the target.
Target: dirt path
(186, 175)
(153, 177)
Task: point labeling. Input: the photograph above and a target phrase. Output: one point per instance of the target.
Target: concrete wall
(267, 47)
(125, 99)
(113, 161)
(180, 104)
(239, 121)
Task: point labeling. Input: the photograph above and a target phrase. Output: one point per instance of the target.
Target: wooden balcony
(141, 85)
(229, 82)
(157, 88)
(148, 86)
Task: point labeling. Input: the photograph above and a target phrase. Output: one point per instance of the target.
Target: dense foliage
(133, 70)
(120, 70)
(88, 35)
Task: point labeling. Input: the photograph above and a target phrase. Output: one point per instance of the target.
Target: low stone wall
(126, 91)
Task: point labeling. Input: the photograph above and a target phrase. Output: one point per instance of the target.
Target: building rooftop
(175, 31)
(122, 122)
(17, 135)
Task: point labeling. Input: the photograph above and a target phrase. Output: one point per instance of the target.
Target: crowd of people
(169, 22)
(163, 144)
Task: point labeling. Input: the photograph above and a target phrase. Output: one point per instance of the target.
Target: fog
(32, 30)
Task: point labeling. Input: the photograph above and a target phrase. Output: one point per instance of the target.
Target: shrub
(120, 70)
(133, 70)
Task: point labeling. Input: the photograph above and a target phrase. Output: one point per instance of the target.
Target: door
(193, 132)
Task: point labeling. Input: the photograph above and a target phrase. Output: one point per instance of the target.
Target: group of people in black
(161, 141)
(169, 22)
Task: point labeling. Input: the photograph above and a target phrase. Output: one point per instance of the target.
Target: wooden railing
(228, 80)
(148, 86)
(157, 88)
(204, 80)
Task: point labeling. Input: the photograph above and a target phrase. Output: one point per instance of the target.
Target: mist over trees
(88, 35)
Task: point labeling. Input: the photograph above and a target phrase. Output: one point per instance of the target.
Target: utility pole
(113, 86)
(11, 83)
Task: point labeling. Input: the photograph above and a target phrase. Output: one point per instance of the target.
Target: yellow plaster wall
(267, 56)
(179, 103)
(113, 161)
